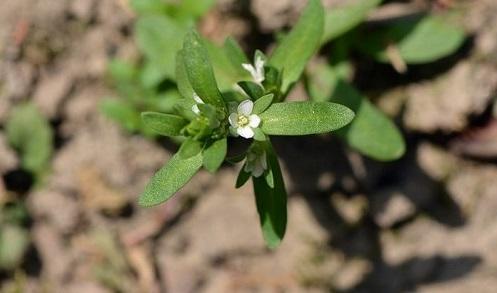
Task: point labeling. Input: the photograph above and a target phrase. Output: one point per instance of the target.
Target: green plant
(150, 84)
(404, 41)
(206, 116)
(29, 132)
(221, 95)
(14, 237)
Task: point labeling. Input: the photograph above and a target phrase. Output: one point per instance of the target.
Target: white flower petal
(245, 107)
(259, 63)
(233, 119)
(250, 68)
(195, 109)
(254, 121)
(197, 99)
(245, 132)
(259, 68)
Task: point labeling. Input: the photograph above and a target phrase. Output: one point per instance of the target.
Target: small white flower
(198, 100)
(256, 163)
(243, 121)
(256, 71)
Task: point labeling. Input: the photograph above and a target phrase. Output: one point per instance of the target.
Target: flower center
(243, 120)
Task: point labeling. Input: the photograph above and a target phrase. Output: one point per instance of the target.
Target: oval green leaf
(372, 133)
(159, 38)
(271, 202)
(199, 70)
(168, 180)
(302, 118)
(164, 124)
(214, 154)
(342, 19)
(299, 45)
(262, 103)
(30, 133)
(417, 41)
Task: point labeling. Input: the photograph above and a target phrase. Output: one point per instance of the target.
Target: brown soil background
(427, 222)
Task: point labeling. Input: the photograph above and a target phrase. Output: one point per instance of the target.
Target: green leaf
(148, 6)
(199, 70)
(299, 45)
(122, 71)
(371, 132)
(189, 9)
(417, 41)
(271, 202)
(253, 90)
(226, 70)
(184, 86)
(121, 112)
(342, 19)
(164, 124)
(242, 178)
(234, 52)
(190, 148)
(168, 180)
(159, 38)
(262, 103)
(302, 118)
(214, 155)
(14, 242)
(151, 75)
(165, 101)
(30, 133)
(259, 135)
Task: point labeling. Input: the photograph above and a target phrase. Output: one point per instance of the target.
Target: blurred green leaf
(235, 53)
(182, 81)
(191, 9)
(168, 180)
(30, 133)
(164, 124)
(122, 71)
(164, 102)
(225, 69)
(371, 132)
(302, 118)
(295, 50)
(214, 154)
(199, 70)
(151, 75)
(14, 242)
(159, 38)
(149, 6)
(15, 214)
(342, 19)
(121, 112)
(416, 41)
(271, 202)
